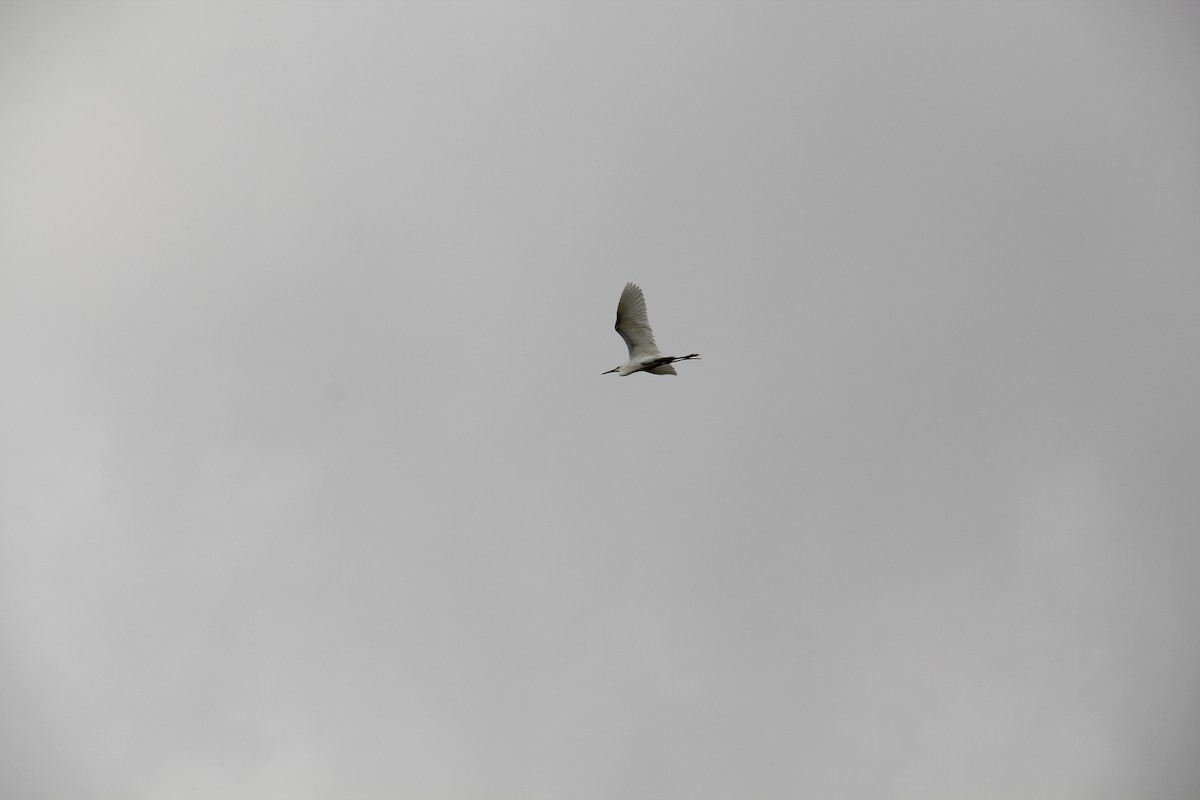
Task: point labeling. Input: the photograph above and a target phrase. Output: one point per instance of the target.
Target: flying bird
(634, 327)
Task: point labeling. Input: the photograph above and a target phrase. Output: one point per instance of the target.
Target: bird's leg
(662, 362)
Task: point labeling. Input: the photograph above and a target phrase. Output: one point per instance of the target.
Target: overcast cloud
(310, 485)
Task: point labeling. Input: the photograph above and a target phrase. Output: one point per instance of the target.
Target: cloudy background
(310, 486)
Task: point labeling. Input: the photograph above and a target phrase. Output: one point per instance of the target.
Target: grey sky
(310, 486)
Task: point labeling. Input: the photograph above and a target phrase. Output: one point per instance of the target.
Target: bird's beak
(614, 369)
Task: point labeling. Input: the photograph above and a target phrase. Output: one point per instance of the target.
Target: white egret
(634, 327)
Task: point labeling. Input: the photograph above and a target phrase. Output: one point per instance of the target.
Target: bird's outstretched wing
(634, 325)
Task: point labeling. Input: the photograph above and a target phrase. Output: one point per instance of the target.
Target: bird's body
(634, 326)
